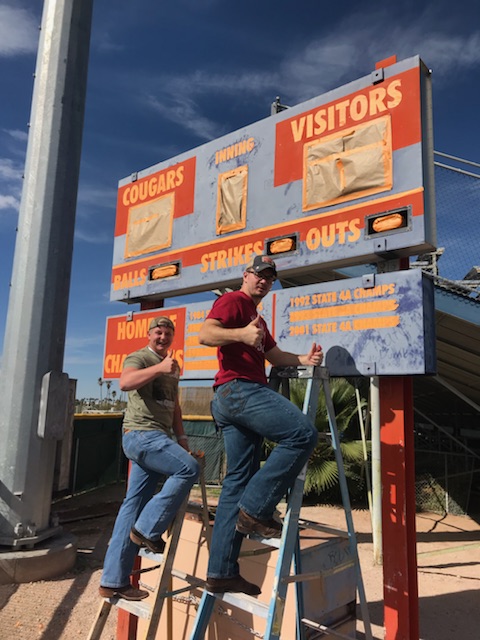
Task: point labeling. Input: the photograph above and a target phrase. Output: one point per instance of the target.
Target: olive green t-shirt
(151, 406)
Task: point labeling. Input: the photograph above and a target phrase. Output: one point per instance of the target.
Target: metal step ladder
(289, 544)
(163, 591)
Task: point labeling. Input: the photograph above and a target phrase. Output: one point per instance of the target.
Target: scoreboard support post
(400, 584)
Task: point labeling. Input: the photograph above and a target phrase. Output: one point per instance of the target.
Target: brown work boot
(127, 593)
(235, 583)
(248, 525)
(155, 546)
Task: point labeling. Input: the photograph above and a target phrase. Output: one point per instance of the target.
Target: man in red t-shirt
(248, 411)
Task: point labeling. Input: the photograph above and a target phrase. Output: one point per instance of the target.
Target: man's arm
(132, 378)
(214, 334)
(280, 358)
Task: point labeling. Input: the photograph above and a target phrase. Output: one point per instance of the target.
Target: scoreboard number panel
(379, 324)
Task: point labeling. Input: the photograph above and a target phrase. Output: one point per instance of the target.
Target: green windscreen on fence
(202, 436)
(97, 458)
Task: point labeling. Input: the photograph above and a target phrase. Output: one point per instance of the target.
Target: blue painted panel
(384, 328)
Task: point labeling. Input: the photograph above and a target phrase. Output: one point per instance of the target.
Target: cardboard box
(328, 593)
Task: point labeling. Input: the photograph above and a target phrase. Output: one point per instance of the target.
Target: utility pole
(33, 387)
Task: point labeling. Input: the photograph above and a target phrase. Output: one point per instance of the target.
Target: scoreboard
(342, 179)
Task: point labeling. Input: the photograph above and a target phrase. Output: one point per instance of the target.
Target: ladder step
(143, 610)
(136, 607)
(269, 542)
(244, 602)
(193, 581)
(319, 575)
(150, 555)
(176, 573)
(307, 524)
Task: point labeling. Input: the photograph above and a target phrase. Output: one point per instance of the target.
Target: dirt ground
(63, 609)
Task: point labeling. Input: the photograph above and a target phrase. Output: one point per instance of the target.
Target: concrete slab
(53, 558)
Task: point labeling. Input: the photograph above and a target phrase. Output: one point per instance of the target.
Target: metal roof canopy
(458, 354)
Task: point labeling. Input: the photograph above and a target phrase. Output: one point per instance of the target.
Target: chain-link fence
(202, 434)
(445, 481)
(457, 197)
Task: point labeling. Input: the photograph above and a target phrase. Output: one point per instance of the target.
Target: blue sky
(165, 77)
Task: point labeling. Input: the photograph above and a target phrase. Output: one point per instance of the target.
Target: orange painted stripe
(191, 256)
(355, 309)
(376, 323)
(386, 62)
(194, 327)
(200, 351)
(201, 365)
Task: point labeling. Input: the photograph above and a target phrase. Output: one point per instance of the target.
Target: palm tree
(108, 384)
(322, 471)
(100, 382)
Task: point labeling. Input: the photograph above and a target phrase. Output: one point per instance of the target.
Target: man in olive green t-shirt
(153, 417)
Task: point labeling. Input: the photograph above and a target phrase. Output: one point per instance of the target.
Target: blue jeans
(154, 455)
(248, 412)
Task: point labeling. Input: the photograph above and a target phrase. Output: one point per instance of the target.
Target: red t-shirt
(238, 360)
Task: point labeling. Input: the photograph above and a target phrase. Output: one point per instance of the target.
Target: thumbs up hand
(168, 364)
(253, 333)
(314, 356)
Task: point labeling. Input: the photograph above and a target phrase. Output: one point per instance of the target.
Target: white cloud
(17, 134)
(183, 111)
(18, 31)
(10, 170)
(201, 83)
(342, 54)
(9, 202)
(180, 94)
(353, 48)
(10, 184)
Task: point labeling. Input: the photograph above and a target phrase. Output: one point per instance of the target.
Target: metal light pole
(33, 389)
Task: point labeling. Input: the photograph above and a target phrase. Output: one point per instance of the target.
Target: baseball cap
(161, 321)
(260, 263)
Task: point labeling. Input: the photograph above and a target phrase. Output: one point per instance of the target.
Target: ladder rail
(204, 612)
(100, 620)
(164, 583)
(297, 569)
(163, 589)
(347, 507)
(290, 542)
(286, 552)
